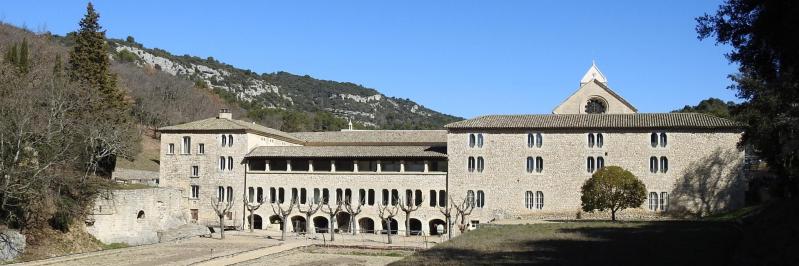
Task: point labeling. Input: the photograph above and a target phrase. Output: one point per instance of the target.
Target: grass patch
(588, 243)
(357, 251)
(732, 215)
(115, 246)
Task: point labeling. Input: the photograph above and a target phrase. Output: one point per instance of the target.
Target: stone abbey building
(508, 166)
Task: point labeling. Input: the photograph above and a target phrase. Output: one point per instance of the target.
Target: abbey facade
(506, 166)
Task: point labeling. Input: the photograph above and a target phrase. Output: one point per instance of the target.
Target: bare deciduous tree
(283, 214)
(332, 213)
(462, 211)
(354, 212)
(251, 208)
(446, 210)
(221, 208)
(311, 209)
(387, 213)
(408, 206)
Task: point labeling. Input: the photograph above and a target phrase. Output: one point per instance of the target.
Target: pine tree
(89, 62)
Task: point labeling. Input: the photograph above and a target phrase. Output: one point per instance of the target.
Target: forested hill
(283, 100)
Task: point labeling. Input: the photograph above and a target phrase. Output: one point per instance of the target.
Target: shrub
(612, 188)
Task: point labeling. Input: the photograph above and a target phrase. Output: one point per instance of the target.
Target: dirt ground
(331, 256)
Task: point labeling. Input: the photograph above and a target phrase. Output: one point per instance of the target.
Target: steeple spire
(593, 73)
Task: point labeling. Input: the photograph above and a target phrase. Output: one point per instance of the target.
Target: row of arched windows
(593, 164)
(659, 139)
(654, 167)
(476, 164)
(479, 201)
(365, 197)
(658, 202)
(476, 140)
(221, 194)
(534, 140)
(534, 200)
(535, 164)
(596, 140)
(227, 140)
(225, 163)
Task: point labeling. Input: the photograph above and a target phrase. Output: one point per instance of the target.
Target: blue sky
(465, 58)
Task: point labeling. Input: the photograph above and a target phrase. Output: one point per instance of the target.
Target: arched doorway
(415, 226)
(274, 219)
(257, 221)
(394, 226)
(343, 222)
(298, 223)
(434, 230)
(366, 225)
(321, 224)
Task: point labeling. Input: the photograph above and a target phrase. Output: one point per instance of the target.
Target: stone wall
(135, 176)
(136, 216)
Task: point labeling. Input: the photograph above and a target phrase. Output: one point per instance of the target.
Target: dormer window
(595, 106)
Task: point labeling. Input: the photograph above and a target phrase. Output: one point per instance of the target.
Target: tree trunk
(407, 225)
(283, 232)
(388, 233)
(222, 227)
(308, 225)
(449, 228)
(613, 215)
(332, 225)
(251, 229)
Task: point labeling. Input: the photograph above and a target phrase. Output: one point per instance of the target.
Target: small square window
(201, 148)
(195, 171)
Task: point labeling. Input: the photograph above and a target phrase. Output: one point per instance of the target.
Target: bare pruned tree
(408, 206)
(221, 208)
(463, 210)
(332, 213)
(354, 212)
(283, 214)
(446, 210)
(311, 207)
(251, 208)
(387, 213)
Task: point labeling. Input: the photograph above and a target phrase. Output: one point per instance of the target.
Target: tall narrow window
(600, 162)
(530, 140)
(539, 164)
(281, 195)
(408, 197)
(539, 140)
(195, 191)
(230, 194)
(250, 194)
(260, 195)
(195, 171)
(348, 196)
(171, 149)
(664, 201)
(303, 196)
(480, 164)
(481, 199)
(528, 200)
(471, 164)
(230, 140)
(653, 201)
(339, 196)
(530, 164)
(590, 140)
(294, 195)
(325, 196)
(472, 140)
(442, 198)
(480, 140)
(664, 164)
(272, 195)
(230, 162)
(220, 194)
(654, 139)
(316, 196)
(433, 198)
(470, 197)
(222, 163)
(224, 140)
(418, 197)
(201, 148)
(600, 140)
(186, 145)
(663, 139)
(362, 197)
(653, 164)
(386, 195)
(590, 164)
(371, 197)
(539, 200)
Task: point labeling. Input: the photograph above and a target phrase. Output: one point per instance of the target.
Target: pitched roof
(598, 121)
(373, 137)
(603, 86)
(350, 151)
(229, 124)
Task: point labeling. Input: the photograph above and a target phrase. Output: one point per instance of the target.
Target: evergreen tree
(17, 56)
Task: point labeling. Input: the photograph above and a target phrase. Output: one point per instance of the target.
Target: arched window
(590, 140)
(600, 162)
(664, 164)
(260, 196)
(251, 194)
(140, 215)
(433, 197)
(325, 196)
(539, 200)
(186, 145)
(272, 195)
(539, 164)
(530, 164)
(230, 194)
(230, 162)
(471, 164)
(303, 196)
(480, 164)
(222, 163)
(600, 140)
(481, 199)
(295, 197)
(472, 140)
(654, 139)
(442, 198)
(530, 140)
(230, 140)
(281, 195)
(470, 197)
(479, 140)
(663, 139)
(590, 164)
(529, 200)
(538, 140)
(653, 164)
(224, 140)
(220, 194)
(595, 106)
(664, 201)
(316, 196)
(653, 201)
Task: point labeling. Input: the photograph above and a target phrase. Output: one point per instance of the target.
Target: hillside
(283, 100)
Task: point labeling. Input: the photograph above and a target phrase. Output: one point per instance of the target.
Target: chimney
(225, 113)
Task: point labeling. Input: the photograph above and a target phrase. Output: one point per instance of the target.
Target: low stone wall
(135, 176)
(136, 216)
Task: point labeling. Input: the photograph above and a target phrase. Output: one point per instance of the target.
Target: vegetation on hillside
(712, 106)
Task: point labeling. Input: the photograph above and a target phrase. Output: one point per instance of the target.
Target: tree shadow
(711, 184)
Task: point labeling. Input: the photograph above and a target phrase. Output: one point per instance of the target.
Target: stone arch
(321, 224)
(298, 223)
(140, 215)
(415, 226)
(434, 227)
(394, 226)
(257, 221)
(274, 219)
(366, 225)
(343, 222)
